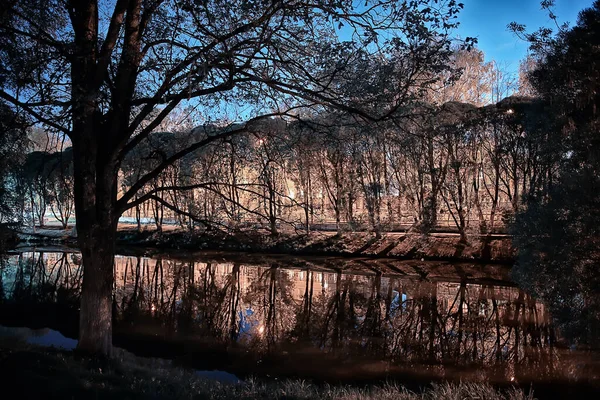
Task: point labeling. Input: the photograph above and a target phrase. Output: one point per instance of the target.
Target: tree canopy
(13, 142)
(557, 235)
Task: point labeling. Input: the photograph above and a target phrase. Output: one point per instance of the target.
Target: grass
(35, 372)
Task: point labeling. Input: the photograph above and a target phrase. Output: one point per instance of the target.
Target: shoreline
(496, 249)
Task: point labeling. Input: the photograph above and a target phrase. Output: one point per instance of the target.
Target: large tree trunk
(95, 318)
(97, 216)
(95, 187)
(97, 140)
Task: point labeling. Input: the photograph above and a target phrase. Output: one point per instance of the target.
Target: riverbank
(405, 245)
(36, 372)
(442, 247)
(438, 246)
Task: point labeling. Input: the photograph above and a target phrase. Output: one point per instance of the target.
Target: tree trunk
(95, 318)
(95, 187)
(307, 217)
(97, 216)
(138, 218)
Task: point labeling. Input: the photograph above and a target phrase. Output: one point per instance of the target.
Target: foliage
(557, 236)
(13, 142)
(46, 181)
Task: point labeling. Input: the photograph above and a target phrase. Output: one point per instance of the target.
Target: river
(323, 319)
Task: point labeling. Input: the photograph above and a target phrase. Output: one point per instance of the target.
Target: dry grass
(298, 390)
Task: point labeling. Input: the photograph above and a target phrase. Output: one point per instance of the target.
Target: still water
(326, 319)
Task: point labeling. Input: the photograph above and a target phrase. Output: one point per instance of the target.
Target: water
(325, 319)
(40, 337)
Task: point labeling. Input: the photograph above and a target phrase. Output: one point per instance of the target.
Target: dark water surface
(325, 319)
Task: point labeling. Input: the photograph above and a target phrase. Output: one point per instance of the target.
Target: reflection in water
(369, 320)
(40, 337)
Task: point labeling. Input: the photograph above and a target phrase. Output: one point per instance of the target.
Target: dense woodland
(301, 115)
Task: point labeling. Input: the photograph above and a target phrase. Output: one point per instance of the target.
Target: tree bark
(95, 317)
(97, 216)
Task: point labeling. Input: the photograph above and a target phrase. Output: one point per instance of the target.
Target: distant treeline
(456, 166)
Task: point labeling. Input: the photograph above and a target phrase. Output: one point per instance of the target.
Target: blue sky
(487, 20)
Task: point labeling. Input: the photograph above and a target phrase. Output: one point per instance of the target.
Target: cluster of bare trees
(46, 187)
(451, 166)
(462, 159)
(455, 165)
(39, 179)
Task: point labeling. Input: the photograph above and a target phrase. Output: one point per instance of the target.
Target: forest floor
(496, 248)
(28, 372)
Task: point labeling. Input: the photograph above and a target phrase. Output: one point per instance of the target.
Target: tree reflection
(38, 278)
(400, 319)
(273, 307)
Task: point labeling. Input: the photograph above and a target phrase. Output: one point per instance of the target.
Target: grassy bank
(33, 372)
